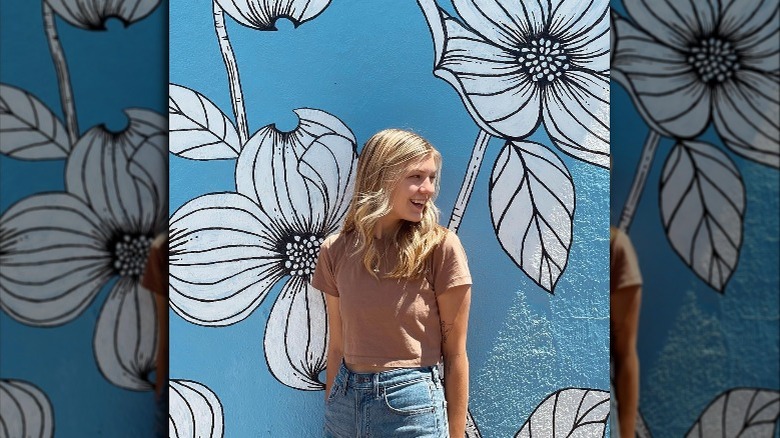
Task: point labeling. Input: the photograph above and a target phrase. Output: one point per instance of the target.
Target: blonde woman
(398, 291)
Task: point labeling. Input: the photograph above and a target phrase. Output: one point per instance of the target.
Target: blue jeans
(404, 402)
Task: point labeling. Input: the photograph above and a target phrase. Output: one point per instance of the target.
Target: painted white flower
(516, 64)
(688, 63)
(92, 14)
(194, 411)
(25, 410)
(262, 14)
(58, 250)
(227, 250)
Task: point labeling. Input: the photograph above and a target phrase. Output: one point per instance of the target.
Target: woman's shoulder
(336, 241)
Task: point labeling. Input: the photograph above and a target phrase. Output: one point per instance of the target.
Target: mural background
(697, 342)
(122, 66)
(370, 65)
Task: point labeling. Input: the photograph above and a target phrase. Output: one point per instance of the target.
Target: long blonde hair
(383, 161)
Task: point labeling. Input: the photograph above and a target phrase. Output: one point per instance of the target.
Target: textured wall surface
(77, 333)
(248, 175)
(705, 221)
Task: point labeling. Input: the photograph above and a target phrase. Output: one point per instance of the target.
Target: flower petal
(576, 115)
(275, 168)
(54, 259)
(149, 166)
(25, 410)
(746, 116)
(98, 172)
(581, 24)
(665, 90)
(674, 23)
(497, 94)
(747, 21)
(92, 14)
(739, 412)
(194, 411)
(262, 14)
(222, 260)
(126, 336)
(296, 334)
(504, 22)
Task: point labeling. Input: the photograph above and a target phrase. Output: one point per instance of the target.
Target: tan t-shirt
(623, 263)
(389, 322)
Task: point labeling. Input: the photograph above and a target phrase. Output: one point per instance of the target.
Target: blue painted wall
(111, 70)
(696, 340)
(370, 64)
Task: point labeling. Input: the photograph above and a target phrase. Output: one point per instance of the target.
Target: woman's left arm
(454, 315)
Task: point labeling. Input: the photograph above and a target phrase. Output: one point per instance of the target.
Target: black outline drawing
(532, 191)
(566, 410)
(227, 250)
(198, 130)
(739, 412)
(194, 411)
(497, 54)
(678, 95)
(30, 130)
(25, 410)
(60, 249)
(699, 178)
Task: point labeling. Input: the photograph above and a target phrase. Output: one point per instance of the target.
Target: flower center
(300, 254)
(714, 59)
(130, 253)
(544, 60)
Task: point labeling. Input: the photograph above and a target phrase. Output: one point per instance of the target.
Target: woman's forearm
(627, 391)
(456, 392)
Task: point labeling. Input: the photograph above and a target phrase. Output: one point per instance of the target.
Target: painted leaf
(29, 129)
(126, 336)
(92, 14)
(25, 411)
(198, 129)
(296, 334)
(532, 207)
(702, 201)
(262, 14)
(194, 411)
(739, 412)
(472, 429)
(569, 412)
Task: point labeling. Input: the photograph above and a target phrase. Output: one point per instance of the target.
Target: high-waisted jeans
(399, 403)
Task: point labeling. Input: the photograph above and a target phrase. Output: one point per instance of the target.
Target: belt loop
(375, 383)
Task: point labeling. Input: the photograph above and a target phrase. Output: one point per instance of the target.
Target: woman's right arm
(335, 341)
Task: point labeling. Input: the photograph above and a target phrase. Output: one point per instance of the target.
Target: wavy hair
(384, 160)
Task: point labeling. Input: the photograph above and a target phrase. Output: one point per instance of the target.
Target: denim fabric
(405, 402)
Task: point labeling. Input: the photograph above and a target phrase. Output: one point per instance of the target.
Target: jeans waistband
(387, 378)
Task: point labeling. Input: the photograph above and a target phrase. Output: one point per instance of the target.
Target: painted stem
(640, 178)
(483, 138)
(63, 77)
(231, 66)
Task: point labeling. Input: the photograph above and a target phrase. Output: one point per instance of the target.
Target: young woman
(398, 291)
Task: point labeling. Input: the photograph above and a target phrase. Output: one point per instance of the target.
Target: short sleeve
(324, 278)
(156, 272)
(624, 265)
(450, 265)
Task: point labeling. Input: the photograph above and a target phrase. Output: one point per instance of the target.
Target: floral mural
(697, 84)
(244, 241)
(73, 250)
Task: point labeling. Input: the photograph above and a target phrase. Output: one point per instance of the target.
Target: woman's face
(414, 190)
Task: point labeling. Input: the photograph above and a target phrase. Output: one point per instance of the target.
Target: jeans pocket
(335, 388)
(410, 398)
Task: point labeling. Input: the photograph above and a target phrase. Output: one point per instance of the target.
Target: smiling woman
(396, 315)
